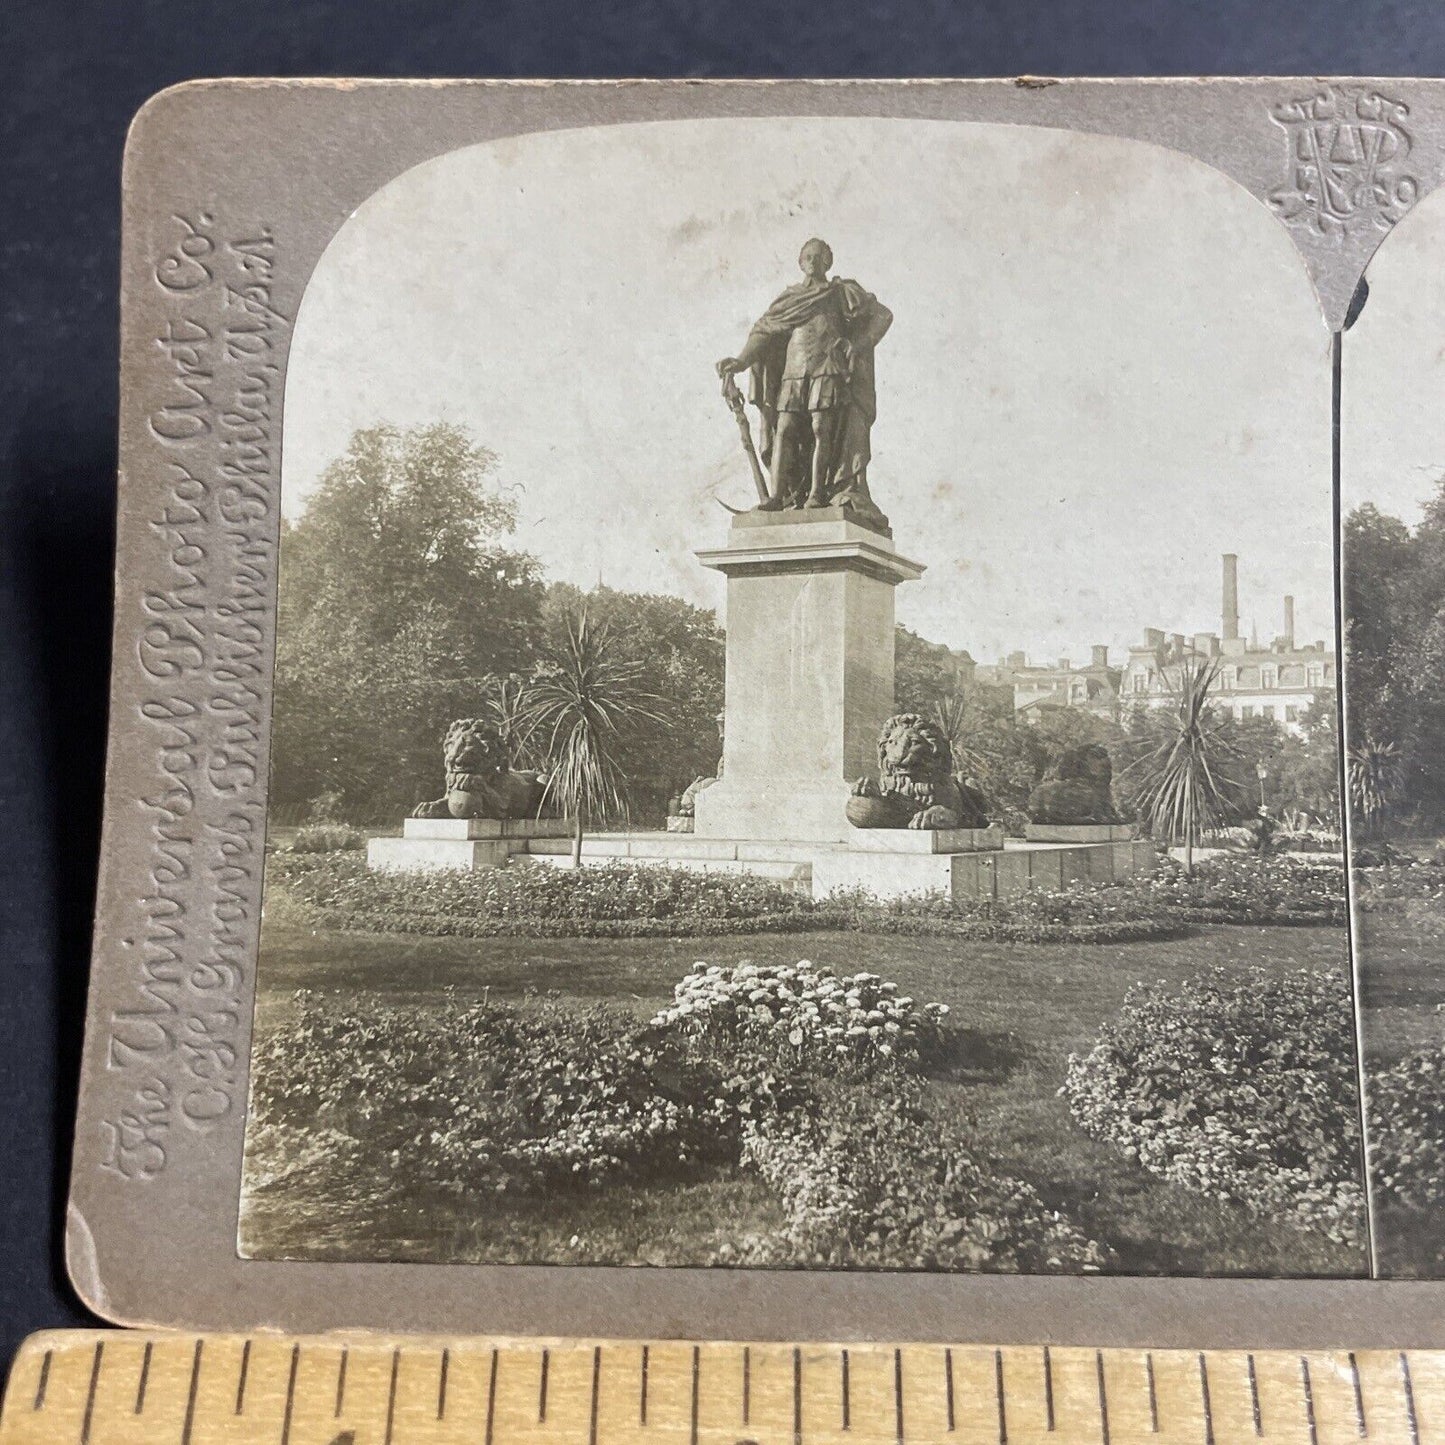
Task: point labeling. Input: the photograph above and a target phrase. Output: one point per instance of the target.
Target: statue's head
(474, 745)
(816, 259)
(911, 746)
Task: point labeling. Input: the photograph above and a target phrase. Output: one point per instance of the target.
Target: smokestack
(1289, 623)
(1231, 595)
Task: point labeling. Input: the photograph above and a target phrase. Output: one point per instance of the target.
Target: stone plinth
(1017, 867)
(925, 840)
(428, 844)
(809, 679)
(1078, 832)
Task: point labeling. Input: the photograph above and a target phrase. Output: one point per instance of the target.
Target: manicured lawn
(1019, 1010)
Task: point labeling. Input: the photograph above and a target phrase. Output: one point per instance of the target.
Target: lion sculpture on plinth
(481, 782)
(1077, 789)
(916, 786)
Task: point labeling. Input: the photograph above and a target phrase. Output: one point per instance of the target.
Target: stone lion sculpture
(916, 786)
(1078, 788)
(480, 780)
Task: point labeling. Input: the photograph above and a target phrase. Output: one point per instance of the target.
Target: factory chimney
(1231, 595)
(1289, 624)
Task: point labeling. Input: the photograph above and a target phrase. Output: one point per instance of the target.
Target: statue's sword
(734, 399)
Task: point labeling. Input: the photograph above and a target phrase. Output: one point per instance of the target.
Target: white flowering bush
(803, 1012)
(1240, 1089)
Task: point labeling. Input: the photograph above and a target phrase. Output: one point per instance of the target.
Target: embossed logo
(1347, 147)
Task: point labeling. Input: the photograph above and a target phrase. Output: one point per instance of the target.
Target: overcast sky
(1107, 365)
(1393, 432)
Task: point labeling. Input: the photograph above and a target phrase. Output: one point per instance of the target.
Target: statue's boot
(817, 499)
(771, 504)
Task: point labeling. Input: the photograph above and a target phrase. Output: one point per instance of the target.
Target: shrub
(327, 838)
(804, 1014)
(1238, 1089)
(867, 1177)
(484, 1096)
(1407, 1130)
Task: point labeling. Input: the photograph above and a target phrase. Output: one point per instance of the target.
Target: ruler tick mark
(1360, 1428)
(492, 1398)
(797, 1397)
(145, 1375)
(1103, 1398)
(1409, 1399)
(542, 1389)
(747, 1384)
(341, 1381)
(290, 1395)
(1254, 1397)
(241, 1381)
(898, 1393)
(1204, 1399)
(1153, 1394)
(948, 1384)
(189, 1428)
(696, 1379)
(43, 1381)
(1048, 1388)
(391, 1397)
(442, 1385)
(596, 1388)
(1304, 1374)
(88, 1420)
(998, 1395)
(642, 1394)
(847, 1423)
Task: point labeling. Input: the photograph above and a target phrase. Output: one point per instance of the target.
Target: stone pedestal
(470, 843)
(809, 672)
(1078, 832)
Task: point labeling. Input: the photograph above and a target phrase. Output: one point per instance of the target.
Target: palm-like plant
(578, 705)
(1183, 789)
(1373, 776)
(954, 717)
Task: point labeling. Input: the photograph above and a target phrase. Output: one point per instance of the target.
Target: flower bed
(632, 901)
(742, 1071)
(1246, 888)
(1239, 1090)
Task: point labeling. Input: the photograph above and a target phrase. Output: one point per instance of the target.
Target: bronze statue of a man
(811, 359)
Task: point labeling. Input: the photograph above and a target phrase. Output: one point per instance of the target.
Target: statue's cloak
(795, 306)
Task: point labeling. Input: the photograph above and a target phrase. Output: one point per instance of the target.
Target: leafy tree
(925, 674)
(398, 604)
(583, 696)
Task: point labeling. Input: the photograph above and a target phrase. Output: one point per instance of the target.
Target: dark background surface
(72, 75)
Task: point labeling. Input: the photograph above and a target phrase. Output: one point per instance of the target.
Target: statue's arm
(752, 352)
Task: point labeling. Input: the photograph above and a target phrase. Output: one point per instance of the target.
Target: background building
(1278, 681)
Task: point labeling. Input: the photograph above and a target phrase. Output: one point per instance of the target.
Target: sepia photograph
(1393, 589)
(806, 730)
